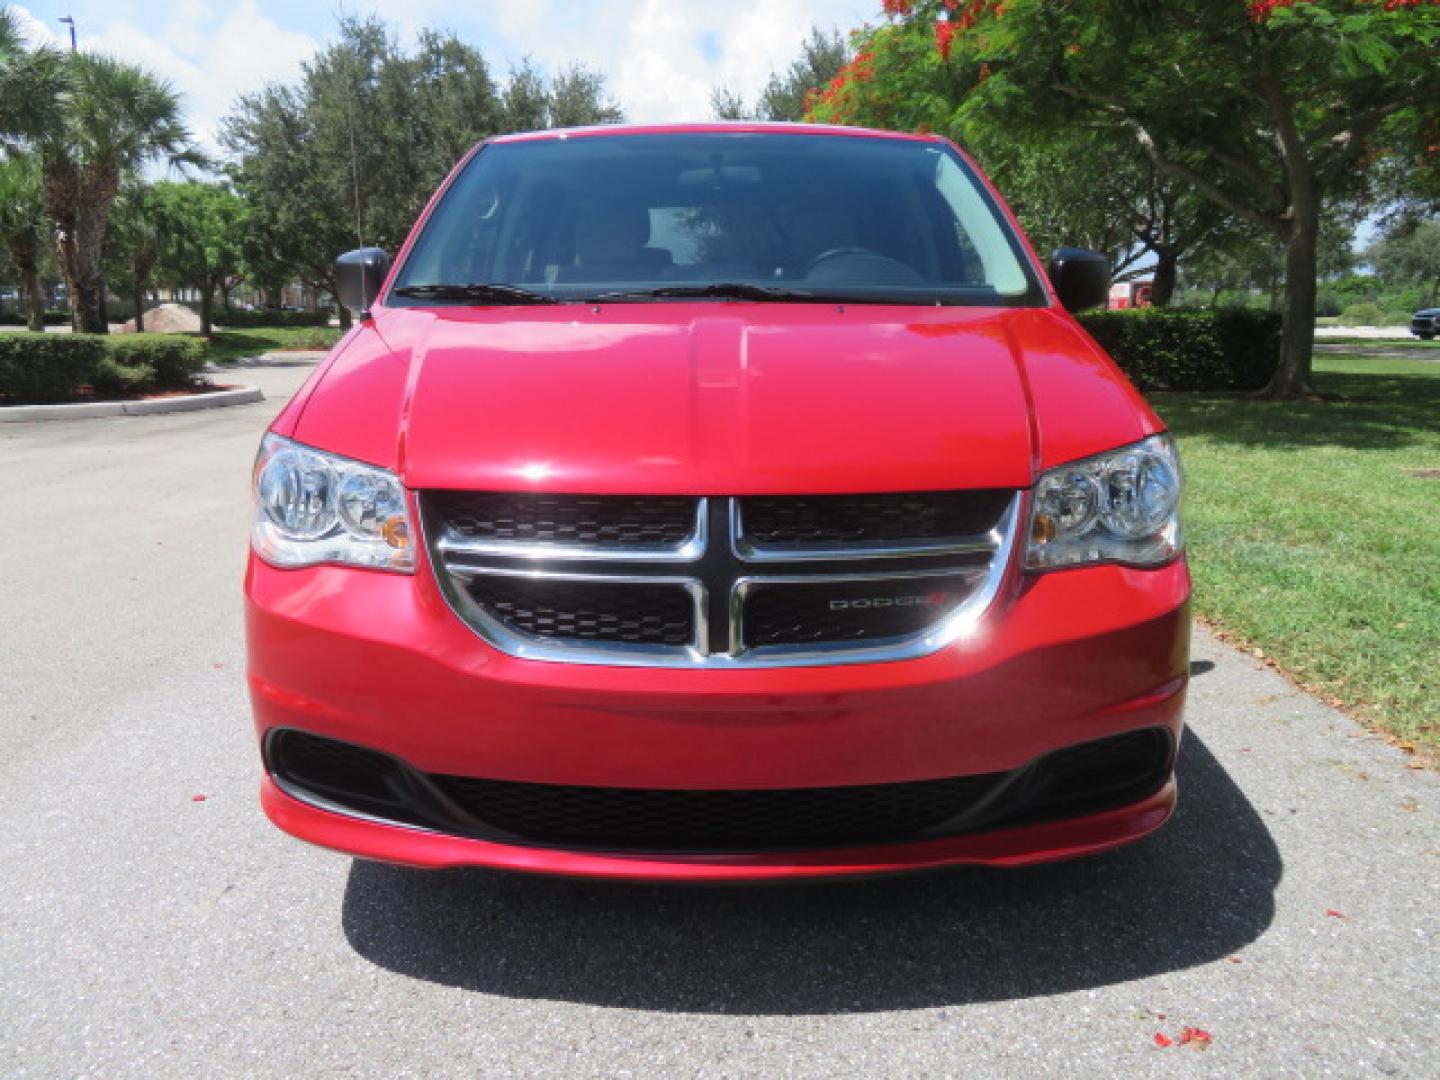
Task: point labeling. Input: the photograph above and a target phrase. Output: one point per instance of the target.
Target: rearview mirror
(358, 277)
(1081, 278)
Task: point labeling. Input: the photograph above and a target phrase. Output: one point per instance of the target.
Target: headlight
(312, 507)
(1120, 507)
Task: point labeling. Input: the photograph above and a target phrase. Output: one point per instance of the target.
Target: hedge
(1168, 349)
(54, 367)
(270, 320)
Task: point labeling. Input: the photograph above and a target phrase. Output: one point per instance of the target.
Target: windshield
(801, 216)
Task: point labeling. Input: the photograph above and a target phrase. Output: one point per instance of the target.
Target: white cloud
(209, 55)
(650, 51)
(661, 58)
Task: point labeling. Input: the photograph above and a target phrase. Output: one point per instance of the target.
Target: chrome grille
(720, 582)
(600, 520)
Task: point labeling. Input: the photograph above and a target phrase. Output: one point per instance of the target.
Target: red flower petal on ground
(1335, 914)
(1198, 1036)
(198, 798)
(1161, 1039)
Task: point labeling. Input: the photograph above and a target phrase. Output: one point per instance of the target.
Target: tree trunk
(26, 261)
(87, 291)
(139, 310)
(207, 305)
(346, 320)
(1162, 289)
(98, 185)
(34, 303)
(61, 193)
(1297, 341)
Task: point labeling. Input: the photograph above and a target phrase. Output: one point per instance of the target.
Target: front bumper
(379, 660)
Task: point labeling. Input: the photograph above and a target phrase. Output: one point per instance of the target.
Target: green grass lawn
(227, 346)
(1312, 538)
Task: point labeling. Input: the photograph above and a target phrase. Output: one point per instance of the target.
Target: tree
(525, 105)
(1266, 110)
(1410, 255)
(199, 227)
(31, 81)
(577, 99)
(23, 230)
(1076, 188)
(349, 155)
(109, 120)
(134, 245)
(1247, 260)
(822, 56)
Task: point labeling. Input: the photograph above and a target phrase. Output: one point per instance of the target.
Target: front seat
(610, 246)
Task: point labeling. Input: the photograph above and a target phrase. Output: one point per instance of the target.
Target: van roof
(756, 127)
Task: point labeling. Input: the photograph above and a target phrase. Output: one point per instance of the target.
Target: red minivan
(717, 502)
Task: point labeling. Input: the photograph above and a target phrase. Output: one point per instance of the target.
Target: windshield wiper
(729, 290)
(493, 292)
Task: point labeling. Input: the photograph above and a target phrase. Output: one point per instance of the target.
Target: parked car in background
(1425, 323)
(718, 502)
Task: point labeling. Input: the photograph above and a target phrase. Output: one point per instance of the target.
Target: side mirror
(358, 277)
(1081, 278)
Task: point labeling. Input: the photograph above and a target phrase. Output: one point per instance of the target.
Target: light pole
(70, 19)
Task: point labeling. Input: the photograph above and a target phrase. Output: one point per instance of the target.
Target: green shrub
(317, 339)
(111, 375)
(47, 367)
(268, 320)
(1165, 349)
(174, 360)
(1362, 314)
(53, 367)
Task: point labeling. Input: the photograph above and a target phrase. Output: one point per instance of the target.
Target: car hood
(709, 398)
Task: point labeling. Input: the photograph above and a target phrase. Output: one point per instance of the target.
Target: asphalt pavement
(1290, 912)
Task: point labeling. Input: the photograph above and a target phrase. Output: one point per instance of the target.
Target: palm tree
(22, 229)
(112, 118)
(31, 81)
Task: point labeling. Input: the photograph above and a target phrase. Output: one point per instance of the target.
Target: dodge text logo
(861, 603)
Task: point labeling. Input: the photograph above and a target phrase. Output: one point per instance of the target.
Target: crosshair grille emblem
(749, 603)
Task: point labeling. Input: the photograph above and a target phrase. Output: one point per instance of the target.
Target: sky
(660, 57)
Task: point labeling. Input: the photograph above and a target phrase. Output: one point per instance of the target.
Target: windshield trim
(1036, 295)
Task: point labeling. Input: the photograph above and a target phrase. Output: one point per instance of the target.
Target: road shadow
(1201, 889)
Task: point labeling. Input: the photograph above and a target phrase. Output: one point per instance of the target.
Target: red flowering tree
(1263, 108)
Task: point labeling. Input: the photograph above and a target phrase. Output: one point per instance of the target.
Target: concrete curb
(87, 410)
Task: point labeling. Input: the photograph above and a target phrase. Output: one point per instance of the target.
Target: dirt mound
(167, 319)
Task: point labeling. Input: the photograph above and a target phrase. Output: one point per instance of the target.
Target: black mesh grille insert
(840, 520)
(352, 776)
(638, 818)
(638, 614)
(592, 520)
(1096, 776)
(1075, 781)
(813, 613)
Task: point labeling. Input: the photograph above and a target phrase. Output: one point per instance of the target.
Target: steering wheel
(834, 253)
